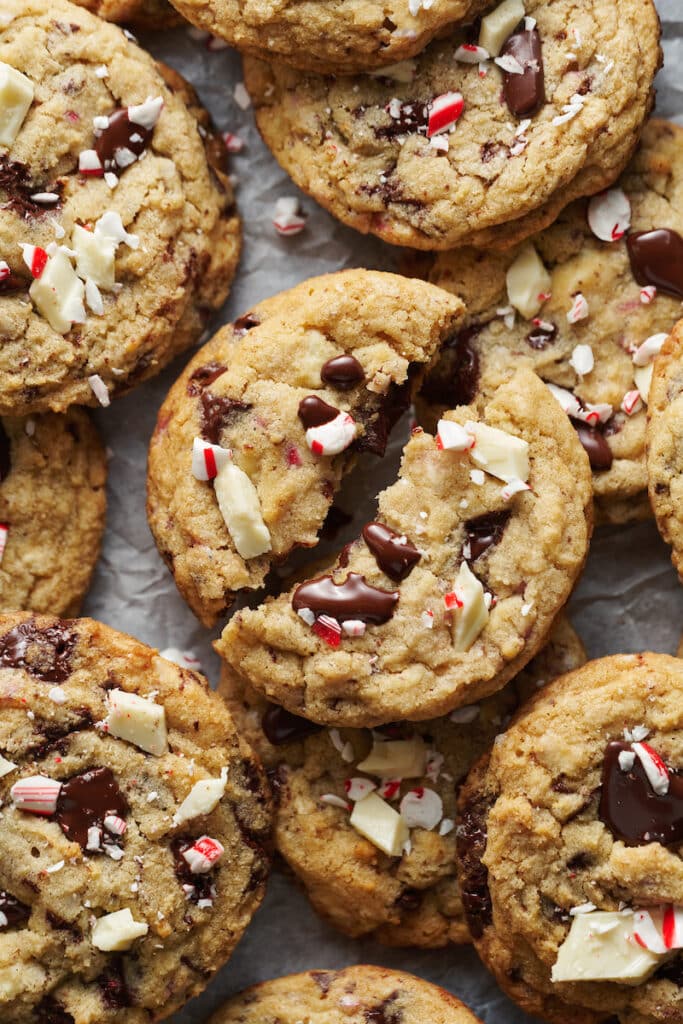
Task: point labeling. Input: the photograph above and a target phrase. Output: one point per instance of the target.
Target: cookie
(664, 435)
(53, 472)
(133, 827)
(118, 236)
(445, 152)
(318, 35)
(604, 301)
(354, 995)
(569, 838)
(407, 900)
(294, 390)
(451, 590)
(142, 14)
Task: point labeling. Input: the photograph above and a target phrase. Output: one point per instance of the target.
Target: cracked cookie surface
(53, 471)
(411, 900)
(537, 839)
(618, 317)
(525, 550)
(243, 391)
(183, 240)
(62, 872)
(359, 145)
(354, 995)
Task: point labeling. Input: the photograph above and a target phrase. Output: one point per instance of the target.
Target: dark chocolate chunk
(525, 93)
(471, 841)
(49, 1011)
(379, 414)
(16, 188)
(281, 726)
(394, 554)
(385, 1012)
(657, 259)
(485, 531)
(413, 117)
(112, 983)
(455, 378)
(313, 412)
(631, 809)
(342, 372)
(203, 376)
(13, 913)
(596, 447)
(85, 800)
(219, 412)
(46, 653)
(352, 599)
(245, 323)
(121, 134)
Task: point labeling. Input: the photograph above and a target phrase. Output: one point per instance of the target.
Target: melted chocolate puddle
(121, 134)
(45, 653)
(203, 376)
(657, 259)
(631, 809)
(219, 412)
(85, 801)
(394, 554)
(352, 599)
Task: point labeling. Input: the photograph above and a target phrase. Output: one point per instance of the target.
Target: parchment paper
(628, 600)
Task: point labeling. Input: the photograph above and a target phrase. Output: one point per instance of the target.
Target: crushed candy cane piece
(6, 766)
(513, 487)
(579, 310)
(452, 437)
(36, 794)
(358, 788)
(468, 53)
(208, 458)
(99, 389)
(609, 215)
(89, 164)
(307, 615)
(648, 294)
(328, 629)
(233, 143)
(146, 114)
(35, 258)
(649, 349)
(335, 801)
(186, 659)
(114, 824)
(642, 377)
(444, 111)
(584, 411)
(242, 98)
(332, 437)
(117, 932)
(421, 808)
(631, 402)
(4, 532)
(509, 64)
(626, 759)
(653, 766)
(582, 360)
(204, 796)
(353, 627)
(288, 219)
(204, 853)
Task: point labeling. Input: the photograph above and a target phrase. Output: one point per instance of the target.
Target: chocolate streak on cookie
(394, 553)
(45, 653)
(342, 372)
(631, 809)
(203, 376)
(352, 599)
(455, 378)
(13, 913)
(218, 412)
(281, 726)
(245, 323)
(657, 259)
(385, 1012)
(471, 838)
(594, 443)
(485, 531)
(85, 801)
(525, 93)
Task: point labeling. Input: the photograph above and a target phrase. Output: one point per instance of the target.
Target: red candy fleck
(293, 456)
(444, 112)
(38, 261)
(451, 600)
(327, 632)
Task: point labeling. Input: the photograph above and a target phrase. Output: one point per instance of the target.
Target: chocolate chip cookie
(53, 472)
(451, 590)
(143, 14)
(133, 825)
(664, 433)
(118, 230)
(318, 35)
(255, 436)
(569, 836)
(411, 899)
(355, 995)
(607, 288)
(480, 133)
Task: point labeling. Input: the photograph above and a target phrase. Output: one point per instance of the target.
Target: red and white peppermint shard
(207, 459)
(444, 112)
(468, 53)
(353, 627)
(609, 215)
(358, 788)
(672, 927)
(646, 931)
(451, 600)
(452, 437)
(233, 143)
(35, 259)
(203, 854)
(328, 629)
(579, 310)
(653, 766)
(146, 114)
(4, 531)
(332, 437)
(115, 825)
(631, 403)
(288, 219)
(648, 351)
(37, 795)
(89, 164)
(421, 808)
(4, 270)
(648, 294)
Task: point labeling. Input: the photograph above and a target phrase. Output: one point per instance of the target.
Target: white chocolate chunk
(471, 615)
(240, 507)
(6, 766)
(16, 97)
(642, 375)
(58, 294)
(380, 824)
(138, 721)
(497, 26)
(501, 454)
(528, 282)
(600, 947)
(202, 798)
(398, 759)
(95, 257)
(117, 931)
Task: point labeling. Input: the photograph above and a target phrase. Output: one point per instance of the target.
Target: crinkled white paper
(629, 598)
